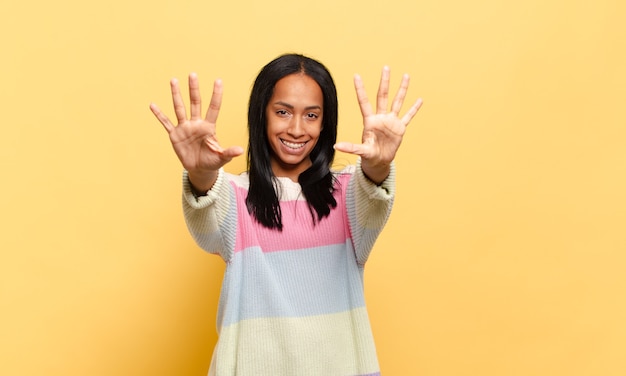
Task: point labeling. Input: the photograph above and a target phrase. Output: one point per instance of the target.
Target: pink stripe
(298, 229)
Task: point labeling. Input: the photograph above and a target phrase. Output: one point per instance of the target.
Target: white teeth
(293, 145)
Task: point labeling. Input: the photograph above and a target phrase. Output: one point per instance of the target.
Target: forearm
(206, 215)
(369, 207)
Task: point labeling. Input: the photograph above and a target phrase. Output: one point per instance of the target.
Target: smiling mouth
(293, 145)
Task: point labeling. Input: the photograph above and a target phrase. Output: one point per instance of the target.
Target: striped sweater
(292, 302)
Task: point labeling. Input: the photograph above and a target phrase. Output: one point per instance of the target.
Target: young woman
(295, 235)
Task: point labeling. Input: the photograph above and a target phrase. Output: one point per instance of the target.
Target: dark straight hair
(317, 181)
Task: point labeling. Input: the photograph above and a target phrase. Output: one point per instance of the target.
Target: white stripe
(336, 344)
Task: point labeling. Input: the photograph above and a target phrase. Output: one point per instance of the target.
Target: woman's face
(294, 122)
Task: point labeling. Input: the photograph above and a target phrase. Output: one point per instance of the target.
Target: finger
(195, 105)
(229, 153)
(214, 145)
(167, 124)
(361, 96)
(216, 102)
(406, 119)
(349, 147)
(179, 105)
(383, 91)
(398, 100)
(232, 152)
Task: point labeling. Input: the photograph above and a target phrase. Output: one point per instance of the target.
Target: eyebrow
(290, 106)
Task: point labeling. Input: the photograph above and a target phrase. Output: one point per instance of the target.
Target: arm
(195, 142)
(372, 188)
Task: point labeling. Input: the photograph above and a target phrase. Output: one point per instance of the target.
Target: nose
(296, 127)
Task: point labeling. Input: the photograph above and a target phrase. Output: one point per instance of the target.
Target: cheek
(318, 133)
(272, 126)
(316, 129)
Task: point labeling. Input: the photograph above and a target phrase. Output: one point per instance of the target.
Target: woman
(295, 236)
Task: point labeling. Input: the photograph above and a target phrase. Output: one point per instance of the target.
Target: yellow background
(505, 254)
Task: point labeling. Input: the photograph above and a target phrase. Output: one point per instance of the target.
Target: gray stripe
(300, 283)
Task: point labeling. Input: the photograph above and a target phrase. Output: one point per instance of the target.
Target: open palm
(194, 139)
(383, 130)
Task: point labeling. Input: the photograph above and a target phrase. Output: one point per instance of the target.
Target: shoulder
(346, 170)
(345, 173)
(239, 181)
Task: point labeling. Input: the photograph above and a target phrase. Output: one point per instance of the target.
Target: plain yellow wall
(505, 254)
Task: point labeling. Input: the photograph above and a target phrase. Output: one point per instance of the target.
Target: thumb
(349, 147)
(232, 152)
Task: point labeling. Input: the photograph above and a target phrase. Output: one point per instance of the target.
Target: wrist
(375, 173)
(201, 183)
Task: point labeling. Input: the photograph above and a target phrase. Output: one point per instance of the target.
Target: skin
(195, 142)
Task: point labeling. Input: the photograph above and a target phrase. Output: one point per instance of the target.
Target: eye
(282, 113)
(312, 116)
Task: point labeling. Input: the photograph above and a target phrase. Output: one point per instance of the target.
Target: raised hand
(383, 130)
(194, 139)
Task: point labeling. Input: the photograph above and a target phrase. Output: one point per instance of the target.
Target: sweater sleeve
(368, 206)
(209, 218)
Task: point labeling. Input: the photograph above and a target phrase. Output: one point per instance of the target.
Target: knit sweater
(292, 301)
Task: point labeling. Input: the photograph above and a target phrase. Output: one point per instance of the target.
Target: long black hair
(317, 181)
